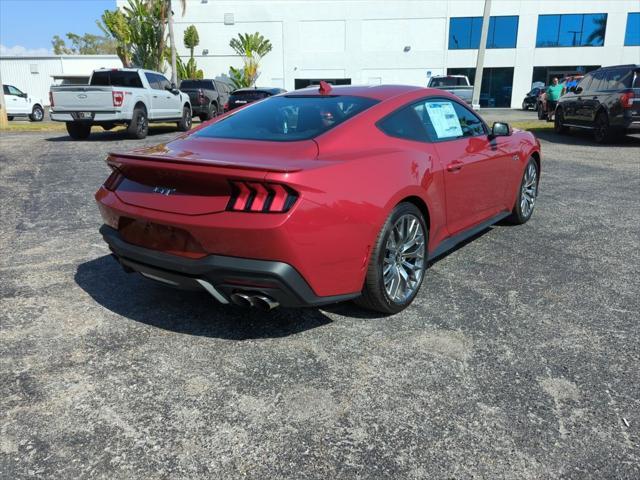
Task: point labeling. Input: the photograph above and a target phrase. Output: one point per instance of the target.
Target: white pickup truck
(456, 84)
(20, 104)
(122, 96)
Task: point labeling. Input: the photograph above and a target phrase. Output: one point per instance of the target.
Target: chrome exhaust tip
(242, 300)
(264, 303)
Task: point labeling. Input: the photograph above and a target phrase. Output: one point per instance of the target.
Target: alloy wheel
(404, 259)
(529, 190)
(142, 123)
(38, 114)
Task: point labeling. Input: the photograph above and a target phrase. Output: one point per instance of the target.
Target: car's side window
(405, 123)
(163, 83)
(14, 91)
(447, 120)
(151, 78)
(585, 83)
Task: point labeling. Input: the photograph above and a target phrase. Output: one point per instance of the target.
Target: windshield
(116, 78)
(195, 84)
(283, 119)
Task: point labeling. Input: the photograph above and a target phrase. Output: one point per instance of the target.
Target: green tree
(191, 38)
(87, 44)
(252, 47)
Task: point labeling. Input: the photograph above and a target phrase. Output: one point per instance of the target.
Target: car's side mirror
(572, 89)
(500, 129)
(23, 95)
(577, 90)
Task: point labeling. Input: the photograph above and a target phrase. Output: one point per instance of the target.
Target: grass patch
(60, 127)
(533, 125)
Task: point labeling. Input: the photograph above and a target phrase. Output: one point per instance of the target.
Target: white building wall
(34, 74)
(364, 40)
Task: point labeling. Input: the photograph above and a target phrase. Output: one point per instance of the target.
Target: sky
(27, 26)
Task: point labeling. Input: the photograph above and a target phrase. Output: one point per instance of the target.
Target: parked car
(19, 104)
(458, 85)
(318, 196)
(606, 101)
(530, 101)
(208, 97)
(120, 96)
(244, 96)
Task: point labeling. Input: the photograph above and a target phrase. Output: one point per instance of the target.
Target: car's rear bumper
(226, 275)
(98, 117)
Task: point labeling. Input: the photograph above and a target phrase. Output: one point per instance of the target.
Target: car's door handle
(455, 166)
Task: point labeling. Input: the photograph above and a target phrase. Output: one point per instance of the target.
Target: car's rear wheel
(558, 124)
(398, 262)
(541, 113)
(602, 132)
(37, 114)
(184, 125)
(524, 105)
(78, 131)
(139, 126)
(211, 112)
(9, 117)
(527, 194)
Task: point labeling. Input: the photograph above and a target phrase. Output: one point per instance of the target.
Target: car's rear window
(116, 78)
(196, 84)
(287, 118)
(253, 96)
(448, 82)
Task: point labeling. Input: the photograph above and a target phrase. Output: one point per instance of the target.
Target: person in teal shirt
(554, 91)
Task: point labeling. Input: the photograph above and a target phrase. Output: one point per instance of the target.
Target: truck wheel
(184, 125)
(78, 131)
(541, 113)
(9, 117)
(37, 114)
(139, 125)
(602, 132)
(212, 112)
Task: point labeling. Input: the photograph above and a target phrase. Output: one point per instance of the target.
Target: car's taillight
(51, 99)
(118, 98)
(261, 197)
(626, 99)
(112, 182)
(226, 106)
(200, 96)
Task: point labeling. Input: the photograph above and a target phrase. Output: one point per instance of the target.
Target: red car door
(476, 167)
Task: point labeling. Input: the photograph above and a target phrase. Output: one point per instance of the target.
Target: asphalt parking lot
(519, 358)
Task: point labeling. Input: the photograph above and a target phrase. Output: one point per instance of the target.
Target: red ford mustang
(317, 196)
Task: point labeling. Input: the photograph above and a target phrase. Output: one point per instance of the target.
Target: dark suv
(606, 101)
(208, 97)
(242, 96)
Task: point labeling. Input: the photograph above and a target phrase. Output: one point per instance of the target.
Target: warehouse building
(404, 41)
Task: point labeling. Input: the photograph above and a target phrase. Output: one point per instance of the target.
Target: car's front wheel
(527, 194)
(398, 262)
(558, 123)
(184, 125)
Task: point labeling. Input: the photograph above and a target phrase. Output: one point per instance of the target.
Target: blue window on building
(464, 32)
(632, 35)
(573, 30)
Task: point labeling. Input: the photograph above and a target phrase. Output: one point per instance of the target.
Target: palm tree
(191, 38)
(252, 47)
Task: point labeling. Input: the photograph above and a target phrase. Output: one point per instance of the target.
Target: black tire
(37, 114)
(78, 131)
(212, 112)
(518, 216)
(558, 122)
(602, 131)
(374, 294)
(184, 125)
(541, 113)
(9, 117)
(138, 128)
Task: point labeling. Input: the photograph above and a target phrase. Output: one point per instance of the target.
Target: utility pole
(477, 83)
(174, 76)
(4, 122)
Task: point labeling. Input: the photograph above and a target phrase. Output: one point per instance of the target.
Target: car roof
(378, 92)
(272, 90)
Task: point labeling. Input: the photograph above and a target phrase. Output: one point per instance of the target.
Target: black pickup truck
(208, 97)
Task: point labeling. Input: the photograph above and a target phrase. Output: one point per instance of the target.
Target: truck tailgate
(82, 98)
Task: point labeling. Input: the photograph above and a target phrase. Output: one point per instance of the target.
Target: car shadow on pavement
(583, 138)
(108, 136)
(186, 312)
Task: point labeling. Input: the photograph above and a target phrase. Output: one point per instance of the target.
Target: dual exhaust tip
(262, 302)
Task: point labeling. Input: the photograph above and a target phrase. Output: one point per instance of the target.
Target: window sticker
(444, 119)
